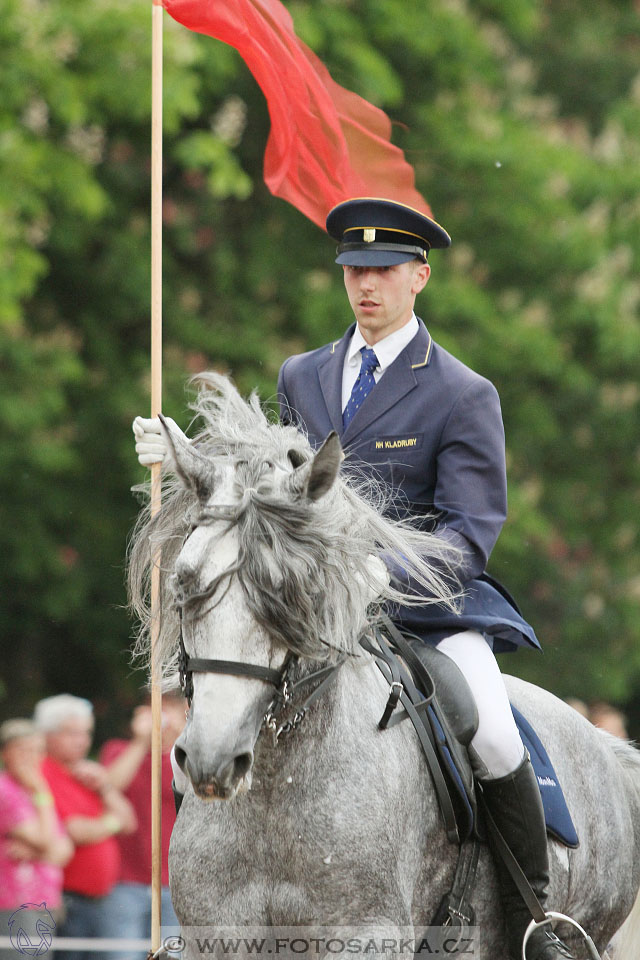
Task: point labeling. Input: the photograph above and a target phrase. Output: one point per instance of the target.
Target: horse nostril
(181, 757)
(242, 764)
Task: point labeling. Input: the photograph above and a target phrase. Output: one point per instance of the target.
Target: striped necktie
(362, 387)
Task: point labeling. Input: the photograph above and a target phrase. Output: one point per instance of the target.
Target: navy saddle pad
(559, 823)
(558, 819)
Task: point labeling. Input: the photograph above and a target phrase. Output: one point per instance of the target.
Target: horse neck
(338, 771)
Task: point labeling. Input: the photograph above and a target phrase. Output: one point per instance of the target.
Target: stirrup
(552, 915)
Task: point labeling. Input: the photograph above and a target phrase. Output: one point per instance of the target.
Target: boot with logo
(515, 804)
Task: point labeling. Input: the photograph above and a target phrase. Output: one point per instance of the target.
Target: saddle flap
(452, 691)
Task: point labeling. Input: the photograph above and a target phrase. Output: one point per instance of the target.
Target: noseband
(190, 665)
(280, 679)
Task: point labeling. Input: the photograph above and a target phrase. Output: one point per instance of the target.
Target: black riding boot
(515, 804)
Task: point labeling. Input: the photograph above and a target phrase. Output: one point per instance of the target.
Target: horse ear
(196, 472)
(315, 478)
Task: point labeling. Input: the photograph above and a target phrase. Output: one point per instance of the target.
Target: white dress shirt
(386, 351)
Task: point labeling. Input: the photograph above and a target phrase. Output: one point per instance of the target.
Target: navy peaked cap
(373, 232)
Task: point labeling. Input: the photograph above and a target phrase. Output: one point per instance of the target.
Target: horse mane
(321, 551)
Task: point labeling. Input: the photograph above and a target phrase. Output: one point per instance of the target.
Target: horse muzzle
(215, 778)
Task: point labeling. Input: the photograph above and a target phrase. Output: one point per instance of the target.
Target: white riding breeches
(496, 749)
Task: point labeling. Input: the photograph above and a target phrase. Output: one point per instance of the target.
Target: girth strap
(456, 909)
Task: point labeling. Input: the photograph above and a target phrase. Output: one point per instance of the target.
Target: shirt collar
(387, 349)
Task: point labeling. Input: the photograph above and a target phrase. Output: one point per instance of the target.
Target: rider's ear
(196, 472)
(313, 479)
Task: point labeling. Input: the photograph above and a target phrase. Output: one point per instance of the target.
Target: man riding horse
(410, 414)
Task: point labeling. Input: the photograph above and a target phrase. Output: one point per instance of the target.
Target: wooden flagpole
(156, 490)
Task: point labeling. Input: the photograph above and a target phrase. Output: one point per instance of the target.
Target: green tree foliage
(520, 118)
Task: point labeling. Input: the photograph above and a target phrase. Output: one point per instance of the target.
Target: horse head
(216, 748)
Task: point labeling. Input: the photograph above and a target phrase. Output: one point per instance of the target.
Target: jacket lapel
(330, 376)
(397, 381)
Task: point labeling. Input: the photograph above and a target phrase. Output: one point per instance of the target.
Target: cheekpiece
(373, 232)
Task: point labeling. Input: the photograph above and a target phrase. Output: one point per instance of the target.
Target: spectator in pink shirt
(33, 844)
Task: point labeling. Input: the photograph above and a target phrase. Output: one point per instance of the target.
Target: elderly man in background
(33, 844)
(93, 812)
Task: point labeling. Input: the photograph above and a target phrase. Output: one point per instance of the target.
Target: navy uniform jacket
(432, 429)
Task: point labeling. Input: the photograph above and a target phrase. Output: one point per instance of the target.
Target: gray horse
(267, 552)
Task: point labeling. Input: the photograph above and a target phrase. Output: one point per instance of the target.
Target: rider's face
(382, 298)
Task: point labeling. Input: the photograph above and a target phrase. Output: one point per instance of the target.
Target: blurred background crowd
(75, 832)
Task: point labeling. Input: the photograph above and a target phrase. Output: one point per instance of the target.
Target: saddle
(437, 698)
(436, 694)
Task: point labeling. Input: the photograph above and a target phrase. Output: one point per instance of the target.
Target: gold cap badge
(369, 234)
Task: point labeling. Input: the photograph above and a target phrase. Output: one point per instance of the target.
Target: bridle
(285, 688)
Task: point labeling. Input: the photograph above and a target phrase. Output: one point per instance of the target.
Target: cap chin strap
(383, 247)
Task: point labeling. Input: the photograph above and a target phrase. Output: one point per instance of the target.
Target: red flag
(326, 143)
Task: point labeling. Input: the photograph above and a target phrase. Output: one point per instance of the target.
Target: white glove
(151, 445)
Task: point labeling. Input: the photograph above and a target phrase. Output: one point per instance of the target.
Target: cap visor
(373, 258)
